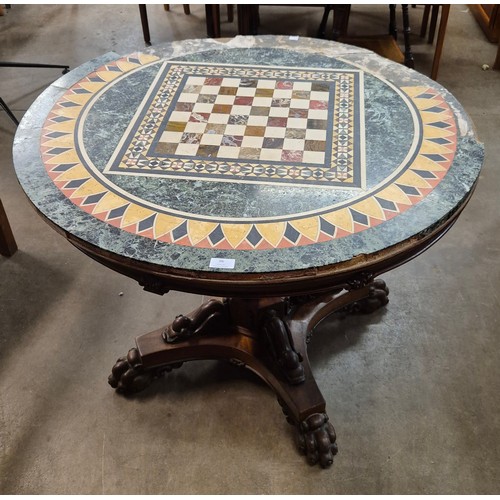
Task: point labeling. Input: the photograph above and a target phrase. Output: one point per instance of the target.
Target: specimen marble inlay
(130, 154)
(248, 124)
(244, 124)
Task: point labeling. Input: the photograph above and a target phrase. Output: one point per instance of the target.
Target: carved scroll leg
(305, 409)
(129, 376)
(209, 334)
(304, 406)
(152, 358)
(315, 436)
(303, 403)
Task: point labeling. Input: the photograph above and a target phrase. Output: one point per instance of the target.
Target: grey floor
(413, 391)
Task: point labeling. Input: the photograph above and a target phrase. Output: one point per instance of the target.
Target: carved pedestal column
(270, 337)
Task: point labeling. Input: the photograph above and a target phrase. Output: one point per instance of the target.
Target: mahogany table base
(269, 336)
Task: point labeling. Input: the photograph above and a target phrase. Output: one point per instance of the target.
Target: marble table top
(253, 155)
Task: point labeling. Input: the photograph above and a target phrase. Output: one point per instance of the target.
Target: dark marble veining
(386, 119)
(389, 132)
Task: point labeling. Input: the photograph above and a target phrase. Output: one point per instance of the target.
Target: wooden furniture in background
(425, 21)
(341, 14)
(488, 17)
(8, 244)
(145, 23)
(212, 16)
(496, 64)
(385, 44)
(249, 18)
(187, 10)
(212, 12)
(445, 12)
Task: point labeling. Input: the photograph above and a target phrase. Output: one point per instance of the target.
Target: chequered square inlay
(248, 124)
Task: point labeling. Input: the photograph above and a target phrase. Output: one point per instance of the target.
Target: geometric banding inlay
(92, 194)
(248, 124)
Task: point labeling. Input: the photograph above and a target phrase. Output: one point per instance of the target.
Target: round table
(281, 174)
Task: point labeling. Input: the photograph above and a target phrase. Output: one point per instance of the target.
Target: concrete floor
(413, 391)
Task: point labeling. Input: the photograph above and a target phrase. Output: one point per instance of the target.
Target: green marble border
(416, 222)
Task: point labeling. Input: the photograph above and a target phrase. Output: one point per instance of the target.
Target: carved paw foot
(128, 375)
(378, 297)
(316, 439)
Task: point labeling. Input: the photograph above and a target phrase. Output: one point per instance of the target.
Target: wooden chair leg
(432, 27)
(393, 30)
(8, 244)
(145, 24)
(248, 19)
(324, 20)
(425, 21)
(445, 12)
(212, 14)
(409, 61)
(341, 14)
(185, 6)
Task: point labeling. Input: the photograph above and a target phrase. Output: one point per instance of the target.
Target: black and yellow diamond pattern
(86, 190)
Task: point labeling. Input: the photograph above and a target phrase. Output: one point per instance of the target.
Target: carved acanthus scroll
(205, 319)
(282, 349)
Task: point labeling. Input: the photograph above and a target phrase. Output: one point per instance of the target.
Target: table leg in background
(8, 244)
